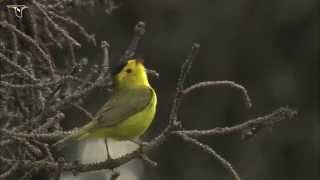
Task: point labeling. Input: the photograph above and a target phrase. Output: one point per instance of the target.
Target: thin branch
(49, 123)
(185, 68)
(82, 109)
(42, 9)
(17, 67)
(80, 93)
(210, 151)
(51, 36)
(31, 41)
(255, 124)
(10, 171)
(34, 25)
(43, 84)
(75, 69)
(149, 161)
(45, 148)
(81, 29)
(36, 136)
(14, 40)
(139, 31)
(72, 54)
(228, 84)
(30, 147)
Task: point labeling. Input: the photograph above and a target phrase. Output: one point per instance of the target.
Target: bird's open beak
(153, 73)
(150, 72)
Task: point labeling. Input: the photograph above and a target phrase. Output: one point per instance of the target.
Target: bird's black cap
(119, 67)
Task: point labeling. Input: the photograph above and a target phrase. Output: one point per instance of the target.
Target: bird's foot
(109, 158)
(144, 144)
(141, 144)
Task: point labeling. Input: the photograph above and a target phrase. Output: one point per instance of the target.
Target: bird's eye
(129, 71)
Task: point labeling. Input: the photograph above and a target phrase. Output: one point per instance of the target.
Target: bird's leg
(107, 148)
(114, 174)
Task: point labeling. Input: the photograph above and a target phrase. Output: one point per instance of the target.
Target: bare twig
(210, 151)
(43, 84)
(31, 41)
(146, 159)
(10, 171)
(14, 41)
(50, 35)
(42, 9)
(17, 67)
(49, 123)
(69, 20)
(36, 136)
(229, 84)
(82, 109)
(276, 116)
(139, 31)
(185, 68)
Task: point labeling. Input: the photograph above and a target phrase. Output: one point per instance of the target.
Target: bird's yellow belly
(132, 127)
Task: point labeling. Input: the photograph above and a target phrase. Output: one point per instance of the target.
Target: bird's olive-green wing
(123, 104)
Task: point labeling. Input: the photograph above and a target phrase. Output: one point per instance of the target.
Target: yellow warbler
(128, 113)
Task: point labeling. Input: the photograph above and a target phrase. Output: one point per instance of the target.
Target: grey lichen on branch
(32, 99)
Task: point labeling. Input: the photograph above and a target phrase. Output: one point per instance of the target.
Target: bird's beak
(153, 73)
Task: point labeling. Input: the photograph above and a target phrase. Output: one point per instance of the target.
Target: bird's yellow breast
(132, 127)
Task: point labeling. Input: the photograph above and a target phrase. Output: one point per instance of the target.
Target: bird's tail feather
(75, 136)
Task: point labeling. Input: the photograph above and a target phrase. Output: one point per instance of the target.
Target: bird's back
(140, 112)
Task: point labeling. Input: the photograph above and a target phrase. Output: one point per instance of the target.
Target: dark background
(270, 47)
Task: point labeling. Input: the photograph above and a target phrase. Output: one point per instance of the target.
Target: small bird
(127, 114)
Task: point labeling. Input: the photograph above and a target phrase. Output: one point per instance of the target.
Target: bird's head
(131, 74)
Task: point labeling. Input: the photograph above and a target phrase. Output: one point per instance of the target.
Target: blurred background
(270, 47)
